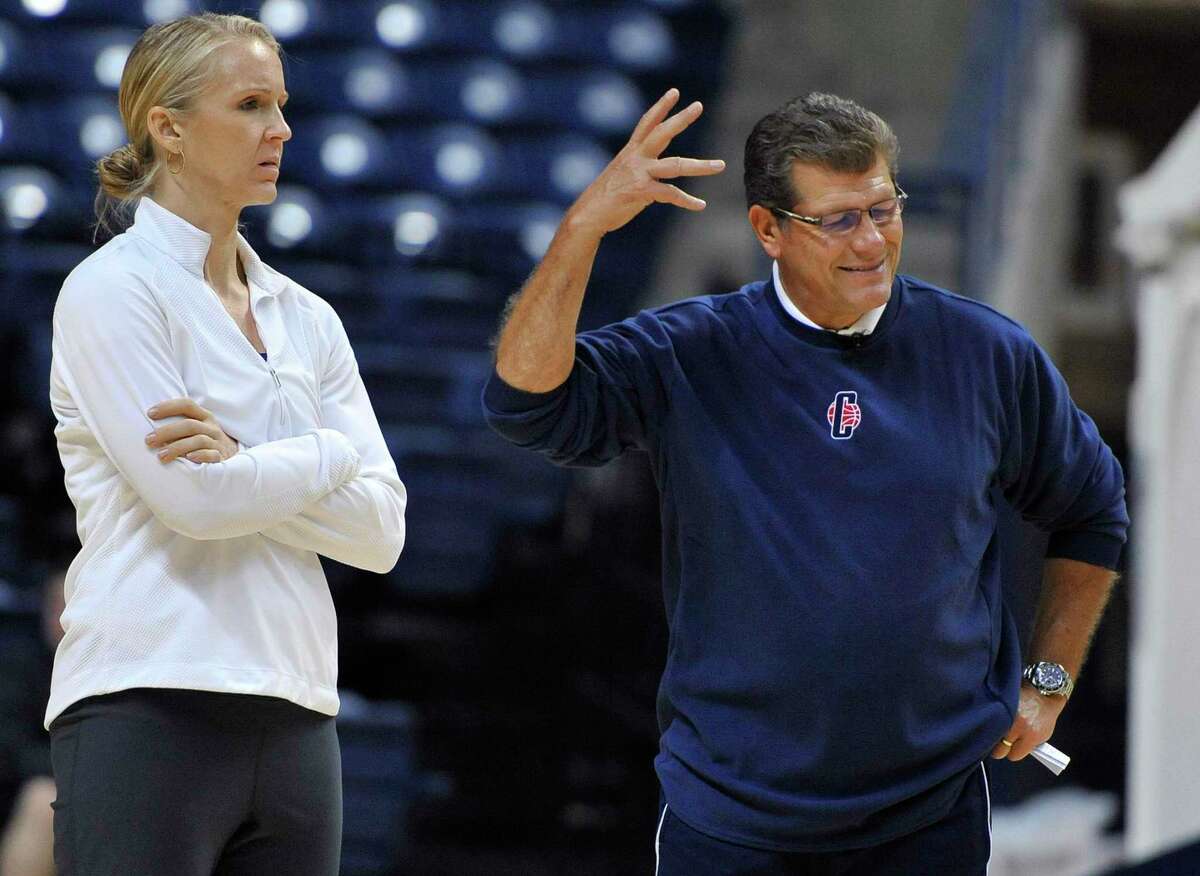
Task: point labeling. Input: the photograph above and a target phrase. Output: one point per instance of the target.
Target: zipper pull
(278, 384)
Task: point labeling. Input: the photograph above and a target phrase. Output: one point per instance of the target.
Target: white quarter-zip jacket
(206, 576)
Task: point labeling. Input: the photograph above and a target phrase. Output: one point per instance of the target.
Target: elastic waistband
(169, 705)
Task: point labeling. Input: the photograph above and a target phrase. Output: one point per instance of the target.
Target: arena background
(498, 685)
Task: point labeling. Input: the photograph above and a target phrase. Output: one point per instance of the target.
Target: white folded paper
(1051, 758)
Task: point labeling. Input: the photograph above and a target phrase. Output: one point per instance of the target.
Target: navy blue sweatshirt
(840, 657)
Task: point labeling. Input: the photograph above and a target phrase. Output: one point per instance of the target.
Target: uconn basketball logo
(844, 414)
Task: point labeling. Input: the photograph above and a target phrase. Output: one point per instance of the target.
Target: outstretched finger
(653, 116)
(658, 139)
(665, 168)
(205, 456)
(665, 193)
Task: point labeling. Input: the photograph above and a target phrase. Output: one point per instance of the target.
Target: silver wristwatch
(1049, 679)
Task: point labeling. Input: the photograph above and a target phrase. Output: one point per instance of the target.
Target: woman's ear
(164, 130)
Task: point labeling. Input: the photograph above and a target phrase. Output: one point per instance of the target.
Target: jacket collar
(187, 245)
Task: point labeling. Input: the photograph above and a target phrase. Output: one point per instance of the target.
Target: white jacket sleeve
(113, 345)
(361, 523)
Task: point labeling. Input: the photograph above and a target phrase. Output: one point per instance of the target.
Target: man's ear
(766, 229)
(164, 130)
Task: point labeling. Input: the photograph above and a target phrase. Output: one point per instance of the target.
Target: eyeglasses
(846, 221)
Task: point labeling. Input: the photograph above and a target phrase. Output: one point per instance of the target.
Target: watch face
(1048, 677)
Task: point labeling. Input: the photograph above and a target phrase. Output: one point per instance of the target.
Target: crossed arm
(333, 490)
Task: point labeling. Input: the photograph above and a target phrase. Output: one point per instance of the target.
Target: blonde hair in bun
(125, 174)
(168, 67)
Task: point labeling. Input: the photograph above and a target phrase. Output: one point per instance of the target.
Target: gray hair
(820, 129)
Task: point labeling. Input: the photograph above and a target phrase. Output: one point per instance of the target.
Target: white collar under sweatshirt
(205, 576)
(864, 325)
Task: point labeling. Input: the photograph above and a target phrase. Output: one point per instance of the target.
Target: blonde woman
(216, 438)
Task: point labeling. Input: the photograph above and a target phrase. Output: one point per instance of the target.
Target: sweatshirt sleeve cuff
(1096, 548)
(503, 398)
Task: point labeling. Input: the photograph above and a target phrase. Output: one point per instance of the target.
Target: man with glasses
(826, 443)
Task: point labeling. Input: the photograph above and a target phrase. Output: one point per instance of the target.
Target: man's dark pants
(959, 844)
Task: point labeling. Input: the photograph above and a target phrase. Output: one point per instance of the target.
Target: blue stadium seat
(485, 91)
(448, 163)
(457, 160)
(158, 11)
(598, 101)
(33, 272)
(298, 222)
(416, 228)
(291, 21)
(422, 385)
(380, 781)
(449, 553)
(422, 25)
(32, 275)
(672, 6)
(298, 21)
(17, 142)
(524, 29)
(399, 25)
(503, 481)
(14, 65)
(10, 548)
(299, 24)
(134, 13)
(409, 284)
(34, 201)
(70, 135)
(489, 92)
(380, 85)
(340, 151)
(504, 239)
(443, 308)
(556, 168)
(73, 61)
(33, 364)
(457, 323)
(471, 492)
(370, 80)
(629, 36)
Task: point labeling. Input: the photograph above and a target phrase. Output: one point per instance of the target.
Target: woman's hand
(197, 437)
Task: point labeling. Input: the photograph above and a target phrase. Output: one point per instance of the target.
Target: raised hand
(634, 178)
(198, 436)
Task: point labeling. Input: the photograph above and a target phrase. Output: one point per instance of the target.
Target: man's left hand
(1036, 716)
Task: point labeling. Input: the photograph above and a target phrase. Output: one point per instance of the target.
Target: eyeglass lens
(881, 214)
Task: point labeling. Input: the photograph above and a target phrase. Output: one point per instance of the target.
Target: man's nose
(867, 236)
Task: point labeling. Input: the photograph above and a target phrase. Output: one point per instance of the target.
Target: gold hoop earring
(182, 164)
